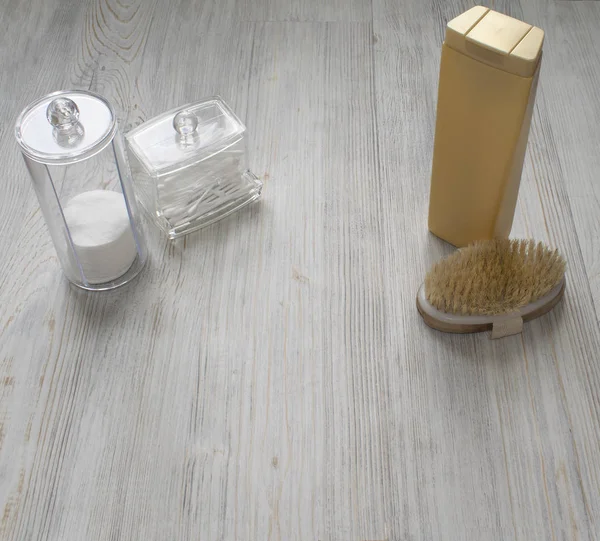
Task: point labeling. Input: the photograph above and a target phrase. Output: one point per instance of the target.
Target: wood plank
(44, 497)
(444, 448)
(551, 186)
(525, 470)
(31, 292)
(97, 46)
(304, 10)
(569, 84)
(311, 110)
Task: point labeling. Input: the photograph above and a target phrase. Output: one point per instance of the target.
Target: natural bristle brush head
(492, 285)
(494, 277)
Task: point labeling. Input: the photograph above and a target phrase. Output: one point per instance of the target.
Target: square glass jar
(189, 166)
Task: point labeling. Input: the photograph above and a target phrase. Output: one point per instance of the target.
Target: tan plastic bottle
(488, 79)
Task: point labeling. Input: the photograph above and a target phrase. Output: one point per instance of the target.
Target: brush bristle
(494, 277)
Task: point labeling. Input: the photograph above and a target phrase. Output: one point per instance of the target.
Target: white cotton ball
(99, 226)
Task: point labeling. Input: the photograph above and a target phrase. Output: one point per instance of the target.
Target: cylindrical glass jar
(75, 156)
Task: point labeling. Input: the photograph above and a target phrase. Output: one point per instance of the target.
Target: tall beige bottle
(488, 79)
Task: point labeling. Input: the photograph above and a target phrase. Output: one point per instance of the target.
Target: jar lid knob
(62, 113)
(185, 123)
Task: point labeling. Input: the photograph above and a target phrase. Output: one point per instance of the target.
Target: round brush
(492, 285)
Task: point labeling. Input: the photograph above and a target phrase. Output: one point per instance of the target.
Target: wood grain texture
(304, 10)
(572, 78)
(512, 426)
(269, 377)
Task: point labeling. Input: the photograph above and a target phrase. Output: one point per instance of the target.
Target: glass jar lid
(185, 136)
(65, 127)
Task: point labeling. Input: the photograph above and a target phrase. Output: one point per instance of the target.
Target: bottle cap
(497, 40)
(65, 127)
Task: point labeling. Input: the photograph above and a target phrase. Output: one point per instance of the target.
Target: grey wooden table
(269, 377)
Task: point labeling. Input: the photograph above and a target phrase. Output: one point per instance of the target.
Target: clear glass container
(76, 159)
(189, 166)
